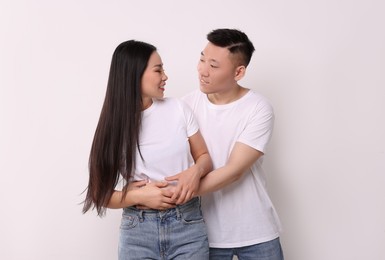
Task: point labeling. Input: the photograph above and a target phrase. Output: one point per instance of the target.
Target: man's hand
(187, 186)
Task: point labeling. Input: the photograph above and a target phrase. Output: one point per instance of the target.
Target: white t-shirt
(240, 214)
(166, 126)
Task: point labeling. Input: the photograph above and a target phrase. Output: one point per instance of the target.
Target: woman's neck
(146, 103)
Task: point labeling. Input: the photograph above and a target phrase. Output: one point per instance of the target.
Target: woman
(140, 139)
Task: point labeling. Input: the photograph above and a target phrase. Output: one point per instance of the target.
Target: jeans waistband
(194, 203)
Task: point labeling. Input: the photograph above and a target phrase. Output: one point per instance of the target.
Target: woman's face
(153, 80)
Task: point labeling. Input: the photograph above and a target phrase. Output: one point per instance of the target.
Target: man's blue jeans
(178, 233)
(270, 250)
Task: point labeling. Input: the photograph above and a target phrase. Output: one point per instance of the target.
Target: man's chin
(205, 90)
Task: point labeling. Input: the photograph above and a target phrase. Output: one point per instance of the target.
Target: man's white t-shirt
(166, 126)
(240, 214)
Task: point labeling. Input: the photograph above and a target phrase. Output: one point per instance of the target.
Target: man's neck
(222, 98)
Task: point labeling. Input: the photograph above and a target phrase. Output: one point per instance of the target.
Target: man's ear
(240, 72)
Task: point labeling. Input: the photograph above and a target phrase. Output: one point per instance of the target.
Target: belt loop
(178, 214)
(140, 214)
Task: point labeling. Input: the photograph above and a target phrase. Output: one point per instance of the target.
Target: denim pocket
(129, 221)
(192, 216)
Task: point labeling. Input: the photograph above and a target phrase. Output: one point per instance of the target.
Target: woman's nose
(165, 77)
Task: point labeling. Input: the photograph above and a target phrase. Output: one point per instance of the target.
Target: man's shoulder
(258, 96)
(258, 100)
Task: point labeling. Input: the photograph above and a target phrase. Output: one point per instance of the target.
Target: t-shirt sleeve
(191, 99)
(119, 186)
(191, 123)
(259, 128)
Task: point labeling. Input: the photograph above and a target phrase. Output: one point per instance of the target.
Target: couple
(163, 159)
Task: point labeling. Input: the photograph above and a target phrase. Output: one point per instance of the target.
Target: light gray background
(321, 63)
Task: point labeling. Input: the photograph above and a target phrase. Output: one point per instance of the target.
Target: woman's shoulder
(170, 102)
(193, 95)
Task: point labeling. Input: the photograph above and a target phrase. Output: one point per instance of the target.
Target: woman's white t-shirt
(166, 126)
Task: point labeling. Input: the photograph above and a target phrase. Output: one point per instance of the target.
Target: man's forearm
(242, 157)
(218, 179)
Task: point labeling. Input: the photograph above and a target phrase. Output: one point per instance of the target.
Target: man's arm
(241, 158)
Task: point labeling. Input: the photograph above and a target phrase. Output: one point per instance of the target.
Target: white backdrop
(321, 63)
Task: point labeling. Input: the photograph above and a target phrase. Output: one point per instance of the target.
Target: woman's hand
(155, 196)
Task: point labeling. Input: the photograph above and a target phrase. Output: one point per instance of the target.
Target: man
(237, 124)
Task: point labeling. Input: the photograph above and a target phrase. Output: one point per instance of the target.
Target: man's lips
(203, 81)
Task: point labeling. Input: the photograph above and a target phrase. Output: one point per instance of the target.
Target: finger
(161, 184)
(176, 194)
(172, 178)
(178, 190)
(142, 207)
(168, 205)
(139, 183)
(189, 196)
(182, 197)
(167, 194)
(164, 205)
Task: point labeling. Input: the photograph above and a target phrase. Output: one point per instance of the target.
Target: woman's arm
(149, 195)
(188, 180)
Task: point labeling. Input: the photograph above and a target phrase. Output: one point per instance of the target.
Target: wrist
(201, 172)
(197, 170)
(132, 198)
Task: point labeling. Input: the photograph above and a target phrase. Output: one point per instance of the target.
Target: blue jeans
(178, 233)
(270, 250)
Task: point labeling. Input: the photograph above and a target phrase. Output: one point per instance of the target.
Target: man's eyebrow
(213, 60)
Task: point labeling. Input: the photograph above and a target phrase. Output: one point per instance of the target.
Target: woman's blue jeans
(178, 233)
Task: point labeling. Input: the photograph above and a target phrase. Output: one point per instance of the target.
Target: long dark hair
(116, 137)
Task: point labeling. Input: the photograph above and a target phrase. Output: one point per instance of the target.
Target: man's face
(216, 70)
